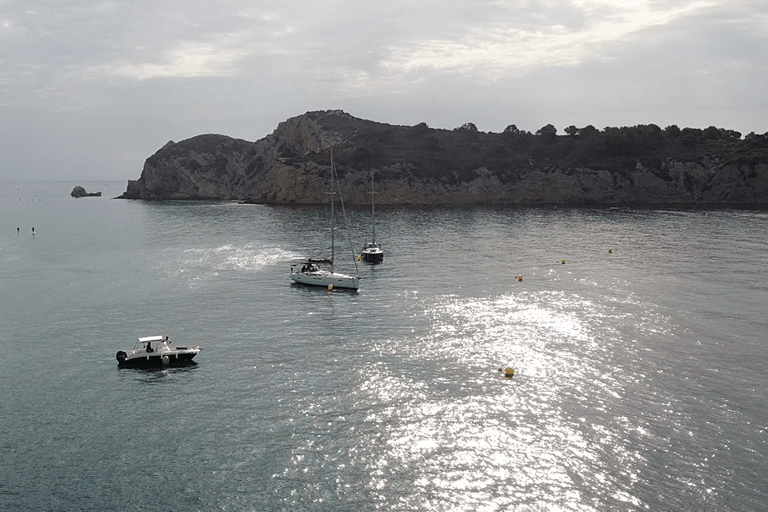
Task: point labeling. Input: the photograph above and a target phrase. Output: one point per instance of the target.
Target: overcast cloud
(90, 89)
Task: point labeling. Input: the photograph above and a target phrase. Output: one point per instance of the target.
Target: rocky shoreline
(418, 165)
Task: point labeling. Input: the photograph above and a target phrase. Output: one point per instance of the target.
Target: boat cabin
(311, 265)
(155, 341)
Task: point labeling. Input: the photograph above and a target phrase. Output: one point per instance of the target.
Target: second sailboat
(372, 252)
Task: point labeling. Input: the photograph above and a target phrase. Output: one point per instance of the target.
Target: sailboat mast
(373, 216)
(333, 226)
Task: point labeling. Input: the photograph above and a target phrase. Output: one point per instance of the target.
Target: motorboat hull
(172, 359)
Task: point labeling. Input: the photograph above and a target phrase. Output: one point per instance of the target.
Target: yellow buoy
(165, 360)
(520, 278)
(509, 372)
(330, 287)
(562, 261)
(610, 251)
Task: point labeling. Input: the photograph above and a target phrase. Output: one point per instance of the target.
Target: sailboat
(319, 271)
(372, 252)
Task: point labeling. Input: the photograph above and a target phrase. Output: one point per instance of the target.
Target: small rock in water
(79, 191)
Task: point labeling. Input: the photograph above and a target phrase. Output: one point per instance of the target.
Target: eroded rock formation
(79, 191)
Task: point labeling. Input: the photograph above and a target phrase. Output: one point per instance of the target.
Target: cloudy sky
(89, 89)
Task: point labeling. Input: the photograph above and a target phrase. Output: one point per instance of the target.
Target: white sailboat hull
(324, 278)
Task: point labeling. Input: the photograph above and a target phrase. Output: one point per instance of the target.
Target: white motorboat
(372, 251)
(319, 271)
(156, 352)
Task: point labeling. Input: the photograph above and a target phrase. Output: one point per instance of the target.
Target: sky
(90, 89)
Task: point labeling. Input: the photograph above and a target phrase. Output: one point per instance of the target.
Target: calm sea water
(639, 362)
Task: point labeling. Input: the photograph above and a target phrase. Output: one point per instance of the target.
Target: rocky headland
(640, 165)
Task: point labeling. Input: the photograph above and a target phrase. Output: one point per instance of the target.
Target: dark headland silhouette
(640, 165)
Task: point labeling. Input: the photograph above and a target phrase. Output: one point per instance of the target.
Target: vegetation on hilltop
(453, 155)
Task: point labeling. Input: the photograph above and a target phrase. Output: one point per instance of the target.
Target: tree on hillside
(548, 132)
(712, 133)
(420, 128)
(672, 131)
(467, 127)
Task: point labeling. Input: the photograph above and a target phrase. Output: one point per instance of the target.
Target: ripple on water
(465, 437)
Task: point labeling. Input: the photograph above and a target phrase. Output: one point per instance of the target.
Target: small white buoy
(166, 361)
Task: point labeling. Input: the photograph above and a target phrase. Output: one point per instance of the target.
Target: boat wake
(208, 262)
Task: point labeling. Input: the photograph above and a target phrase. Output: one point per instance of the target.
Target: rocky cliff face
(420, 165)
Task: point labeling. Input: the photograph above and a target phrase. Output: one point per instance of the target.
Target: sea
(637, 338)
